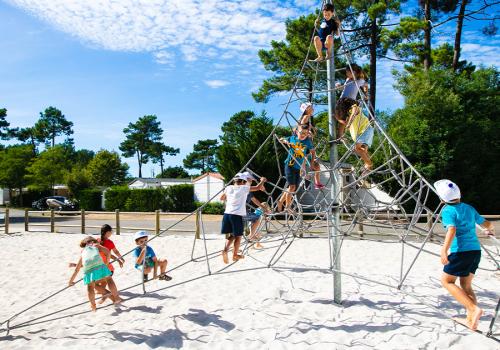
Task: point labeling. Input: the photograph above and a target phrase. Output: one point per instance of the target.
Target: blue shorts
(232, 224)
(462, 264)
(252, 217)
(292, 176)
(366, 137)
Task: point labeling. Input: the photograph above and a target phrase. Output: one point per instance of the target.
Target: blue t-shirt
(326, 28)
(298, 151)
(150, 254)
(464, 218)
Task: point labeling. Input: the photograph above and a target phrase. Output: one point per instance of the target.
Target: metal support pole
(83, 221)
(197, 229)
(117, 220)
(52, 223)
(7, 220)
(26, 220)
(334, 214)
(157, 222)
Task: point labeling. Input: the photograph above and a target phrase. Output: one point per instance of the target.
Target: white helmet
(447, 190)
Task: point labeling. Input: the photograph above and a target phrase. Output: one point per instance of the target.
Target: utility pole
(334, 179)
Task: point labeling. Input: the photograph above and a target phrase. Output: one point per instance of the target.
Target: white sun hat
(247, 176)
(304, 106)
(447, 190)
(140, 234)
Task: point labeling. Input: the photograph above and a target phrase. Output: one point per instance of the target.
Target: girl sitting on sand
(95, 272)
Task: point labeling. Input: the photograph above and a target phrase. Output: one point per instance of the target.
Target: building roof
(155, 180)
(216, 175)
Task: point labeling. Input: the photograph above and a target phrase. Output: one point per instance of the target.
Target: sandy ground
(288, 307)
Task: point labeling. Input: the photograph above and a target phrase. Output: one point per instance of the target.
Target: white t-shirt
(236, 199)
(351, 89)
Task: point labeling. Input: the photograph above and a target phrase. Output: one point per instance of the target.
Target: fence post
(117, 218)
(52, 224)
(26, 220)
(7, 219)
(360, 229)
(83, 221)
(197, 229)
(429, 224)
(157, 222)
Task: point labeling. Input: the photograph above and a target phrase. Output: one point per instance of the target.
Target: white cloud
(197, 28)
(215, 84)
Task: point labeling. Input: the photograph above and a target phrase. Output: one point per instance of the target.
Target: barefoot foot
(224, 257)
(475, 316)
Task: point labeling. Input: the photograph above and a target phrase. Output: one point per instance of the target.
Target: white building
(143, 183)
(208, 185)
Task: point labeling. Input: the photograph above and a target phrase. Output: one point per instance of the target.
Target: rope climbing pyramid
(377, 189)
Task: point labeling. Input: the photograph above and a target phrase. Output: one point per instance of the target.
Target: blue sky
(192, 63)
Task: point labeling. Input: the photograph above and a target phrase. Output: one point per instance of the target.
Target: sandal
(164, 277)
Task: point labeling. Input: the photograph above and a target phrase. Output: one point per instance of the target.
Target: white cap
(140, 234)
(447, 190)
(304, 106)
(247, 176)
(239, 176)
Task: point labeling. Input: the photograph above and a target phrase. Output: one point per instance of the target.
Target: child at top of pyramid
(351, 116)
(460, 221)
(328, 27)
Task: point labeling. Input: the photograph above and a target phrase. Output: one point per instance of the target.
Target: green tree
(174, 172)
(285, 60)
(203, 156)
(448, 129)
(77, 180)
(107, 169)
(158, 152)
(14, 161)
(5, 132)
(140, 138)
(48, 169)
(82, 157)
(242, 135)
(52, 123)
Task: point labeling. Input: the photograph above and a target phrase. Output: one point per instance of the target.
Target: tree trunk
(458, 35)
(427, 35)
(310, 90)
(20, 196)
(139, 160)
(373, 65)
(161, 165)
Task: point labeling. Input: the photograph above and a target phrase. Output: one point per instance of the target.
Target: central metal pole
(334, 179)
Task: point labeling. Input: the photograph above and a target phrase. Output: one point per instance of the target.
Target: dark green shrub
(90, 199)
(180, 198)
(216, 208)
(115, 197)
(28, 198)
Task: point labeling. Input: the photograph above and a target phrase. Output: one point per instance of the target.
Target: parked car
(54, 202)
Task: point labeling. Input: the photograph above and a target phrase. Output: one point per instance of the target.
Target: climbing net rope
(391, 200)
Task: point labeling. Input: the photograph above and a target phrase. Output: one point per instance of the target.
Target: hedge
(178, 198)
(90, 199)
(216, 208)
(28, 198)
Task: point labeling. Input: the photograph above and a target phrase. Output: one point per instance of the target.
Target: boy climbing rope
(328, 27)
(460, 221)
(235, 196)
(299, 146)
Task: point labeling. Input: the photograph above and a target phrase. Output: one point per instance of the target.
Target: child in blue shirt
(460, 221)
(328, 27)
(146, 260)
(300, 146)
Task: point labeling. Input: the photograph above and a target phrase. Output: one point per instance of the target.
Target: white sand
(260, 309)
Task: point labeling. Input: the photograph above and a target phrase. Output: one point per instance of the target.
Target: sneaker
(319, 186)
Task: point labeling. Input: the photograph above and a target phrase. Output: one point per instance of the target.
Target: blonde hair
(87, 240)
(356, 71)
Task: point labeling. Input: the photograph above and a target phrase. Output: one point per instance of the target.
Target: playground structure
(393, 197)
